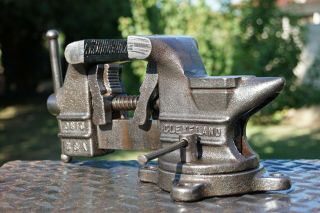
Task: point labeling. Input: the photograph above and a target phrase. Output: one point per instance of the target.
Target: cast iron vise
(195, 123)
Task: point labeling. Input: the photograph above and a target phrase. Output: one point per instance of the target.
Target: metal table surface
(102, 186)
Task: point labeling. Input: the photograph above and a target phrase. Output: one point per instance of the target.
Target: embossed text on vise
(191, 129)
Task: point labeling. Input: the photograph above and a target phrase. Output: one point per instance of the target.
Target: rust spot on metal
(246, 150)
(153, 138)
(126, 140)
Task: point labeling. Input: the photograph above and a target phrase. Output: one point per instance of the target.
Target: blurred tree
(269, 44)
(247, 38)
(23, 56)
(89, 18)
(24, 23)
(213, 31)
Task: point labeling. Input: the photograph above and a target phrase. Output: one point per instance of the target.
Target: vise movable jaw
(195, 123)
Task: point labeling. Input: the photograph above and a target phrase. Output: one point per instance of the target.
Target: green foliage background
(243, 39)
(23, 25)
(247, 38)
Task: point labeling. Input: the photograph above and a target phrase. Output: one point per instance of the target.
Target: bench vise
(194, 123)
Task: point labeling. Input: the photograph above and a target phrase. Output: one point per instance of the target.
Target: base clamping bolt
(143, 159)
(187, 141)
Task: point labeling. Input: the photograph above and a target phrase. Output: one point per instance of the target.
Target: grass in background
(29, 132)
(285, 141)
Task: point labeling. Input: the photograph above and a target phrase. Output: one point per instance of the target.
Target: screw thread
(125, 102)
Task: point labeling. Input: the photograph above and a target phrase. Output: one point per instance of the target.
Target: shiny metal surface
(215, 110)
(102, 186)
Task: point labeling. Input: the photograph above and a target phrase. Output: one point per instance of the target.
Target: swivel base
(194, 187)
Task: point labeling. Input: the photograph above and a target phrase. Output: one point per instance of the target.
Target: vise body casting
(195, 123)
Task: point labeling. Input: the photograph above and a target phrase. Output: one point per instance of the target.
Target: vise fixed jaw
(195, 123)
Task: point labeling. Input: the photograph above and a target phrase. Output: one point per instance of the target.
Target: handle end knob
(52, 34)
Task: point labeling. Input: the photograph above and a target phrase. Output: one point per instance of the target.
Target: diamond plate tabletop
(112, 186)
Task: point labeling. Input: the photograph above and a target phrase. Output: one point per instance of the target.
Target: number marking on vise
(76, 147)
(73, 126)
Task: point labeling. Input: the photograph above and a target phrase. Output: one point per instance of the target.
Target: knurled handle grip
(105, 50)
(108, 50)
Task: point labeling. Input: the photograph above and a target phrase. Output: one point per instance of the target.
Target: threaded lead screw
(124, 102)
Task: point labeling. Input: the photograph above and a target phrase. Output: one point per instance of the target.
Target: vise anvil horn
(195, 123)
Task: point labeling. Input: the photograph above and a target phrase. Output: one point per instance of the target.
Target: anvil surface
(113, 186)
